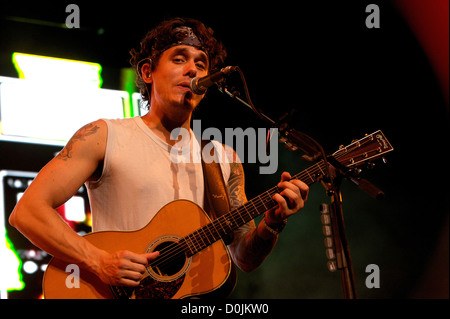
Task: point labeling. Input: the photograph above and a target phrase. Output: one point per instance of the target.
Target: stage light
(54, 113)
(10, 277)
(30, 267)
(74, 209)
(57, 71)
(59, 96)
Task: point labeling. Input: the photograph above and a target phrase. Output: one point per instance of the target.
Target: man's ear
(146, 73)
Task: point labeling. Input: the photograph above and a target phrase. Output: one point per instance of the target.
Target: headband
(185, 36)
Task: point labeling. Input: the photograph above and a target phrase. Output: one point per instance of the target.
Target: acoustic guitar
(193, 259)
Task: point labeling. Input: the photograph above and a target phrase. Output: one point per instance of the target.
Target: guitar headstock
(369, 148)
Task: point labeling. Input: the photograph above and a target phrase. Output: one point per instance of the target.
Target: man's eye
(201, 66)
(178, 60)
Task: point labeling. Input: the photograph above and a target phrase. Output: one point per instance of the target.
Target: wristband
(275, 230)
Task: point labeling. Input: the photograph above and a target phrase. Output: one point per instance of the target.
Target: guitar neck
(358, 152)
(229, 222)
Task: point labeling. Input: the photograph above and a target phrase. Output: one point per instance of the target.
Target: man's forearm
(42, 226)
(251, 245)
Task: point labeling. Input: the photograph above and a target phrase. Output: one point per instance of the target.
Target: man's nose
(191, 69)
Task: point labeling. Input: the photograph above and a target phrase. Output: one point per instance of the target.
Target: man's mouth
(185, 84)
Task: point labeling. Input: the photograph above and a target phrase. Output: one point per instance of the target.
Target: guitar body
(201, 273)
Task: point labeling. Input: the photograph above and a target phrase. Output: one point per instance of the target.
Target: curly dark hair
(158, 39)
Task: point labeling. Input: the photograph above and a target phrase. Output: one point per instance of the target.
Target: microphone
(200, 85)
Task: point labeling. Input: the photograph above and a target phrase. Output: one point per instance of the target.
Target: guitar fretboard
(229, 222)
(358, 152)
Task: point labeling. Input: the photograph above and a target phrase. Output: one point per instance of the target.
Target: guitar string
(262, 204)
(261, 201)
(178, 250)
(168, 251)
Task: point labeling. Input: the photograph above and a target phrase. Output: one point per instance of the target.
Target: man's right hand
(123, 268)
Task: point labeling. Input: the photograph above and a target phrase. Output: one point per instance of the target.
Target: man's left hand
(290, 200)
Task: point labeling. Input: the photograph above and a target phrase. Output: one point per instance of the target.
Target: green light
(127, 83)
(11, 276)
(56, 70)
(71, 73)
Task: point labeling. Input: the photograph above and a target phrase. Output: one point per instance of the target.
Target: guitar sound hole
(171, 259)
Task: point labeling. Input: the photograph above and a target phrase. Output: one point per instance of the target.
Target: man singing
(130, 175)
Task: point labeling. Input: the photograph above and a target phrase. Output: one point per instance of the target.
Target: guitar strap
(216, 204)
(216, 196)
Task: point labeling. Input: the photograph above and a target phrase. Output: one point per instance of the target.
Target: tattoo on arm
(235, 185)
(80, 135)
(248, 249)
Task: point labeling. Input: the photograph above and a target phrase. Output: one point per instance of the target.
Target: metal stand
(338, 251)
(337, 248)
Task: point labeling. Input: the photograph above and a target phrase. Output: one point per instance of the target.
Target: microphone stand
(294, 140)
(340, 242)
(331, 182)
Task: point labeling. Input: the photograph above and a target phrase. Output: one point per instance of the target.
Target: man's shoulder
(120, 121)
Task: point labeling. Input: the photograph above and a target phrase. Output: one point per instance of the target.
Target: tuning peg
(384, 160)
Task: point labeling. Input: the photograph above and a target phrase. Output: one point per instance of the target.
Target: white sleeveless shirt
(140, 176)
